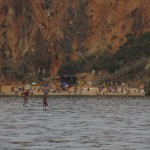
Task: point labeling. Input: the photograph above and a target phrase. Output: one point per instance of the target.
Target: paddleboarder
(25, 97)
(45, 99)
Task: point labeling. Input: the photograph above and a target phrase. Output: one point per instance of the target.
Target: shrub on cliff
(134, 48)
(11, 69)
(73, 67)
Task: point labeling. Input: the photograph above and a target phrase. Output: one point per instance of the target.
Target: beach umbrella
(27, 86)
(64, 83)
(33, 83)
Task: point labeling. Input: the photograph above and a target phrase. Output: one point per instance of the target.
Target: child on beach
(45, 99)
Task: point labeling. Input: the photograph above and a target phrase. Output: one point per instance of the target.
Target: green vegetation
(16, 71)
(73, 67)
(133, 49)
(48, 4)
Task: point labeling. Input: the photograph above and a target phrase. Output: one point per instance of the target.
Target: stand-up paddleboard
(35, 108)
(26, 105)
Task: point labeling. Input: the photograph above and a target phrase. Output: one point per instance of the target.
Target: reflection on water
(75, 123)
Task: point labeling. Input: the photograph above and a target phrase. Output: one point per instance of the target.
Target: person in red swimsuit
(25, 97)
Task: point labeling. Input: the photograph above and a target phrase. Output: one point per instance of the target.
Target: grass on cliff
(133, 49)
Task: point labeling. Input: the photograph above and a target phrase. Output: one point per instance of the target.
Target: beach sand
(6, 91)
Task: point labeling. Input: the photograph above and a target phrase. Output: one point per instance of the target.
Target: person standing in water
(45, 99)
(25, 97)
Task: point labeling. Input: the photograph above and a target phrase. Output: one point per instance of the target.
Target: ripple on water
(71, 123)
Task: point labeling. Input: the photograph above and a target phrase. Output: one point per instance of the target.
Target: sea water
(75, 123)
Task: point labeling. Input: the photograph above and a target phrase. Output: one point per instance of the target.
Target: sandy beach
(6, 91)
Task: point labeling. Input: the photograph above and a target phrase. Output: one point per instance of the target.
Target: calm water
(75, 123)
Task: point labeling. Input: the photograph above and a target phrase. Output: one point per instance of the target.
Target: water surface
(75, 123)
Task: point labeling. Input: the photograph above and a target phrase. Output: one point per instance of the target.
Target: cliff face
(37, 36)
(147, 79)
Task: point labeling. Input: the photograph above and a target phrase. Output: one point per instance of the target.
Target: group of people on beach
(26, 93)
(124, 88)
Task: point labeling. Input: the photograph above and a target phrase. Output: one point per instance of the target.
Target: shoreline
(78, 95)
(6, 92)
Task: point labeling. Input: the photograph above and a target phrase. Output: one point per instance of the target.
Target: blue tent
(64, 83)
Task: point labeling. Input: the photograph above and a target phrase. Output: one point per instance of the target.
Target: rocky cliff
(147, 78)
(38, 36)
